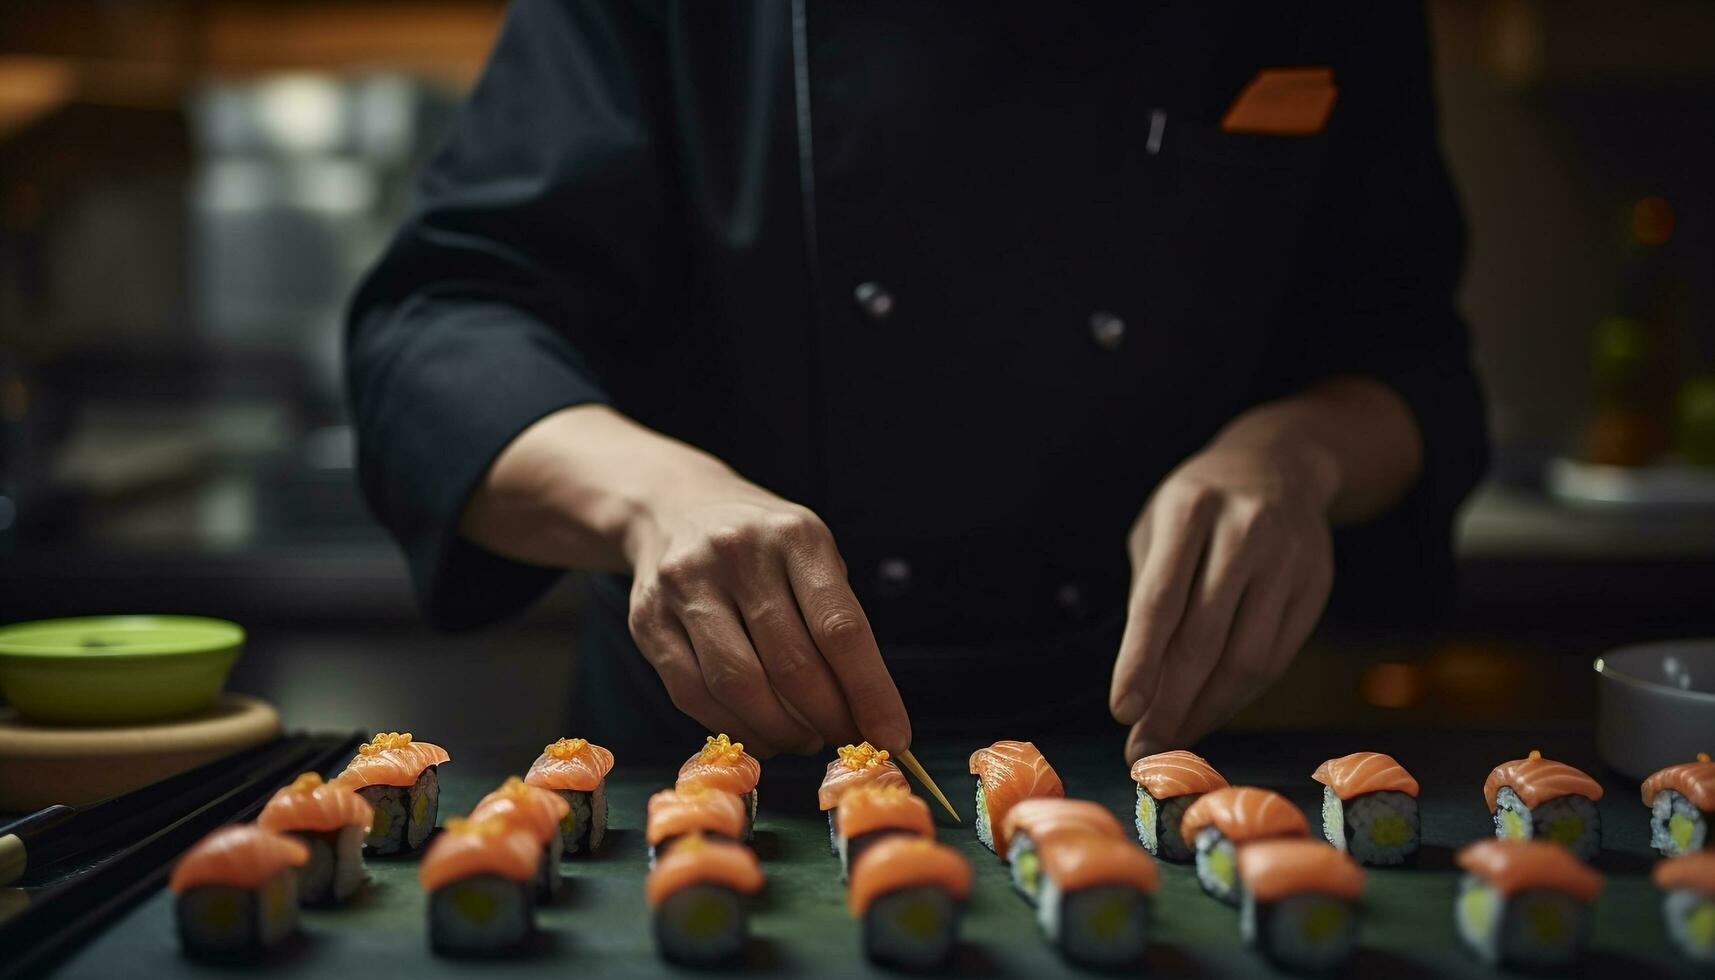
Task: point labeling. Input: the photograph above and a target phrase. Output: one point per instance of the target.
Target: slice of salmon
(857, 765)
(1692, 872)
(237, 856)
(1513, 866)
(871, 808)
(691, 810)
(570, 764)
(1011, 771)
(1693, 780)
(1077, 861)
(530, 808)
(391, 759)
(1277, 869)
(1178, 773)
(311, 805)
(1537, 780)
(721, 764)
(1046, 817)
(1365, 772)
(698, 860)
(1244, 813)
(467, 848)
(906, 862)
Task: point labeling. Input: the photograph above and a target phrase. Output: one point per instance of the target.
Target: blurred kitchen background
(189, 188)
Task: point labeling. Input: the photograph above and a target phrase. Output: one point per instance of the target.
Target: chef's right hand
(739, 601)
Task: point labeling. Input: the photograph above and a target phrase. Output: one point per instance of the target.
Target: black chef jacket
(966, 279)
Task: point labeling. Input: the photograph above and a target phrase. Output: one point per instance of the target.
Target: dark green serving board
(600, 927)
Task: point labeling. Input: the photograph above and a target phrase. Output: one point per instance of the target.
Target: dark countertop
(600, 926)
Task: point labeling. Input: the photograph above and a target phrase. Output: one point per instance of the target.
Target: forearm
(1352, 439)
(578, 488)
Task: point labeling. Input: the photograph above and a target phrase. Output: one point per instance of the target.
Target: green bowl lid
(119, 636)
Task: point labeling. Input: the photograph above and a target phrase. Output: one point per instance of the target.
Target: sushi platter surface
(801, 924)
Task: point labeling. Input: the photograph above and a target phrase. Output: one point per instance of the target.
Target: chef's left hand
(1232, 562)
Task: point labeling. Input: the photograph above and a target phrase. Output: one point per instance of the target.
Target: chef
(1030, 368)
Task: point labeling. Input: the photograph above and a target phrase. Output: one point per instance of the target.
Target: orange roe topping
(566, 749)
(862, 756)
(719, 750)
(383, 742)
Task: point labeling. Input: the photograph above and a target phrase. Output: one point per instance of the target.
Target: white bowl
(1655, 705)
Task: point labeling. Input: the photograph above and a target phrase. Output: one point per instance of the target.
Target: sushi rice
(1300, 933)
(1375, 828)
(985, 833)
(583, 829)
(1025, 864)
(1102, 927)
(1217, 869)
(1158, 824)
(1676, 825)
(1571, 821)
(404, 815)
(1531, 930)
(1690, 920)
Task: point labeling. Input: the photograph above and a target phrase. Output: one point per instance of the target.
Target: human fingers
(1250, 662)
(1172, 535)
(801, 678)
(663, 643)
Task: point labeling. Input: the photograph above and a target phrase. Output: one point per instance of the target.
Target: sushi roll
(1524, 904)
(1033, 821)
(538, 812)
(674, 813)
(1229, 818)
(869, 814)
(909, 892)
(1095, 898)
(1008, 772)
(481, 880)
(858, 765)
(331, 821)
(236, 892)
(1539, 798)
(400, 778)
(724, 764)
(697, 892)
(1369, 807)
(1681, 799)
(577, 770)
(1688, 903)
(1300, 906)
(1167, 784)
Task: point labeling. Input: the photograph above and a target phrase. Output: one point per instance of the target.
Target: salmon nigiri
(1681, 799)
(1535, 797)
(1369, 807)
(577, 769)
(1524, 903)
(1228, 818)
(1167, 784)
(1032, 822)
(1008, 772)
(1094, 898)
(480, 875)
(908, 892)
(673, 813)
(1300, 906)
(400, 778)
(537, 811)
(236, 891)
(697, 893)
(724, 764)
(331, 820)
(1687, 884)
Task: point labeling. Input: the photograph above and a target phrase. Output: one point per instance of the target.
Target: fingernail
(1130, 709)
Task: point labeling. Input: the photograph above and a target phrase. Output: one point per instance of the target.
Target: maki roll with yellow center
(1524, 904)
(1300, 905)
(1094, 899)
(909, 893)
(1230, 818)
(869, 814)
(1681, 799)
(480, 876)
(724, 765)
(539, 813)
(1032, 822)
(331, 820)
(1688, 903)
(714, 813)
(1536, 798)
(236, 892)
(1008, 772)
(400, 779)
(1369, 807)
(576, 769)
(1167, 784)
(698, 891)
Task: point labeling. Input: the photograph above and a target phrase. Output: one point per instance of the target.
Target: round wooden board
(41, 765)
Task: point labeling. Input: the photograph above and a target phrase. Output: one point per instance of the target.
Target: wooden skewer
(922, 775)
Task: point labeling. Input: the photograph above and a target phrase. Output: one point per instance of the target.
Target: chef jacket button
(874, 299)
(893, 577)
(1070, 598)
(1107, 329)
